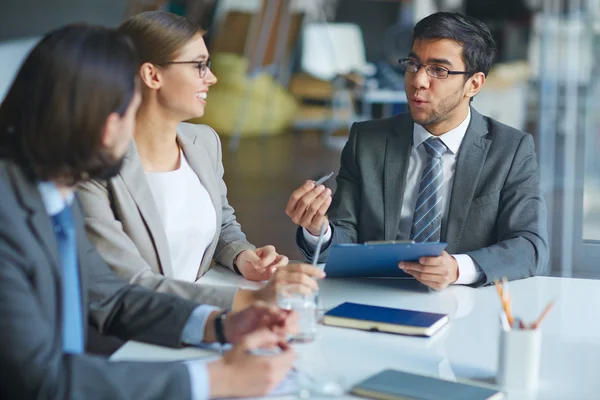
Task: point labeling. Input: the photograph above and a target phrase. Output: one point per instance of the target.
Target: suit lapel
(134, 177)
(200, 162)
(38, 220)
(397, 156)
(469, 164)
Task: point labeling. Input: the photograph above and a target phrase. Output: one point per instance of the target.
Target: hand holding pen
(308, 205)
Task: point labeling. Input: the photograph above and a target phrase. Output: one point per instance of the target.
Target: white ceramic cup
(519, 359)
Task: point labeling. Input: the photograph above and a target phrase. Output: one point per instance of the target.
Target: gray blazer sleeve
(522, 248)
(345, 203)
(106, 232)
(232, 240)
(37, 368)
(32, 362)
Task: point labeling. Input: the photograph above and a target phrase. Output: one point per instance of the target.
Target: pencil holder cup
(519, 359)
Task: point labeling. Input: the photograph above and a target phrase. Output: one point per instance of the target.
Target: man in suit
(52, 280)
(442, 172)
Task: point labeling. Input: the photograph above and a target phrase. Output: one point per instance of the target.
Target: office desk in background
(386, 97)
(466, 349)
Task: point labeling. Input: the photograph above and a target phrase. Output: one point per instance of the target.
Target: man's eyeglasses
(202, 66)
(435, 71)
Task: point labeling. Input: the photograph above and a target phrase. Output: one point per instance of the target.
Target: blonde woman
(162, 221)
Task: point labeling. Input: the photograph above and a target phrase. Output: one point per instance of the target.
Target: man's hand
(240, 373)
(300, 274)
(435, 272)
(257, 316)
(303, 275)
(260, 264)
(307, 207)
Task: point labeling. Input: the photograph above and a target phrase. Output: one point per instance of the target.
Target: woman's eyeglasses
(203, 66)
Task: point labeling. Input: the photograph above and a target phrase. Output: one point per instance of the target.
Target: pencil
(542, 316)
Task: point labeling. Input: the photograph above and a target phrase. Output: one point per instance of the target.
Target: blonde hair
(159, 35)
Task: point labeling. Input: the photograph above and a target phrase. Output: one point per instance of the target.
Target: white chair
(330, 50)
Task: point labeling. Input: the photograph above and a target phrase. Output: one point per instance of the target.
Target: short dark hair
(52, 117)
(479, 48)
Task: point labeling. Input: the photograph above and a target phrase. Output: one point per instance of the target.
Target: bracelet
(235, 268)
(219, 327)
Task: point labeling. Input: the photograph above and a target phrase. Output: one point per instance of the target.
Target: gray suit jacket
(123, 222)
(497, 214)
(32, 363)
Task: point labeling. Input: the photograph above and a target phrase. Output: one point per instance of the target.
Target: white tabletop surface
(465, 350)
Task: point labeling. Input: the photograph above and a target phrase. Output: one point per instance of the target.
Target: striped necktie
(427, 219)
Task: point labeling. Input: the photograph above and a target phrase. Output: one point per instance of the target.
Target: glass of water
(304, 302)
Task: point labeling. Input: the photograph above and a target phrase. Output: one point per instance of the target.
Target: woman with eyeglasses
(162, 221)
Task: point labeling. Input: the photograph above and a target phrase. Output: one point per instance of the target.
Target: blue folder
(373, 260)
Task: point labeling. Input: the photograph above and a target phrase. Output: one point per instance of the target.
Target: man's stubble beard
(446, 107)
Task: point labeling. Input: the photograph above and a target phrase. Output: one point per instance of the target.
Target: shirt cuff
(193, 331)
(468, 273)
(312, 240)
(199, 381)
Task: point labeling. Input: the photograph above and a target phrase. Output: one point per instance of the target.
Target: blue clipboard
(377, 260)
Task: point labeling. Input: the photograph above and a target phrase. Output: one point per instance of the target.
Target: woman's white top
(188, 216)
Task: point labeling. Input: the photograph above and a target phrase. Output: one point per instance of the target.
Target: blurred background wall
(25, 18)
(294, 75)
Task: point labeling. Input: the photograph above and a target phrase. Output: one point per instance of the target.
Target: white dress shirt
(193, 331)
(188, 216)
(467, 270)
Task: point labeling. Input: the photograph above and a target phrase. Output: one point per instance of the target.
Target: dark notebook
(397, 385)
(384, 319)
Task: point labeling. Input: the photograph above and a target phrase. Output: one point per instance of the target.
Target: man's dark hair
(479, 48)
(52, 118)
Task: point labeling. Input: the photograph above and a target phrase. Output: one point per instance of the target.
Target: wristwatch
(219, 327)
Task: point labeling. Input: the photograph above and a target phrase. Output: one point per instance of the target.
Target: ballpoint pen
(323, 179)
(319, 245)
(504, 321)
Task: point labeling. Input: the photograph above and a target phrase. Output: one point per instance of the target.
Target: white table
(464, 350)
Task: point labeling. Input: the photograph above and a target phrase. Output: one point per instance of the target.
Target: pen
(504, 321)
(319, 244)
(323, 179)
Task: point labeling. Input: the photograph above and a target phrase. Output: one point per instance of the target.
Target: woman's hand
(304, 275)
(260, 264)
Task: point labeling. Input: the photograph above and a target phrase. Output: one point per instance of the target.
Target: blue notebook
(376, 260)
(384, 319)
(397, 385)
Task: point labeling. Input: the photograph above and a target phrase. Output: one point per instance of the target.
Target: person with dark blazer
(441, 172)
(69, 116)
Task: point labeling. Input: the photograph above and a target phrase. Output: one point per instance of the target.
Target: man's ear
(151, 75)
(474, 84)
(111, 130)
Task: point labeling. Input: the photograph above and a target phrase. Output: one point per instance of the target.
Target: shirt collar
(452, 139)
(53, 200)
